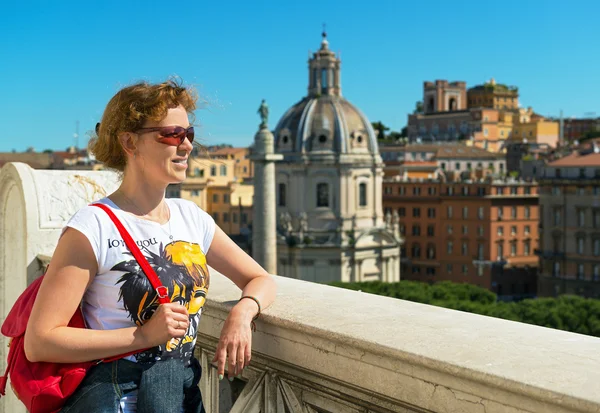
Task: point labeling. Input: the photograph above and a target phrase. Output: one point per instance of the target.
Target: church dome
(324, 122)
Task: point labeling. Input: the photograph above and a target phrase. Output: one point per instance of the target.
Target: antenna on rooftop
(76, 134)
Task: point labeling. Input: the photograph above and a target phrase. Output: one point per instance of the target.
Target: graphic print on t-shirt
(181, 267)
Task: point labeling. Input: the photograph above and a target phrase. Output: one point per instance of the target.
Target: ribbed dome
(325, 124)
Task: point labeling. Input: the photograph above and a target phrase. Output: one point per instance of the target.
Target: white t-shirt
(121, 295)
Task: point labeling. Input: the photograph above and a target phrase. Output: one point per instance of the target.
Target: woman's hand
(235, 343)
(168, 321)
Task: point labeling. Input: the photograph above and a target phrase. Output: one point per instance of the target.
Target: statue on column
(396, 224)
(388, 221)
(263, 111)
(302, 225)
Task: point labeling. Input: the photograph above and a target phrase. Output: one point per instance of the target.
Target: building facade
(483, 233)
(570, 226)
(329, 184)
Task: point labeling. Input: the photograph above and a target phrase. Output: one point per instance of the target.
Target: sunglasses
(171, 135)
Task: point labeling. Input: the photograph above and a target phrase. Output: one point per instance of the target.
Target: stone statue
(302, 224)
(388, 220)
(263, 111)
(395, 219)
(285, 221)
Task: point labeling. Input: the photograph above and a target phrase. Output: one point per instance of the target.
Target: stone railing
(324, 349)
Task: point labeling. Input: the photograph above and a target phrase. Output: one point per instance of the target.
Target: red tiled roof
(575, 159)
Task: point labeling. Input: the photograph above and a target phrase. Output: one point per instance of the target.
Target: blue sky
(60, 62)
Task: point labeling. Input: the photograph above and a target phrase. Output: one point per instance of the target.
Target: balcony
(324, 349)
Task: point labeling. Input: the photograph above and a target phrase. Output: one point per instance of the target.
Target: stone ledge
(434, 358)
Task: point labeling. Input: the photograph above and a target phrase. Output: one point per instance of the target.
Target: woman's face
(160, 162)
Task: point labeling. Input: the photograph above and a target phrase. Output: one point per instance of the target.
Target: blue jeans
(163, 387)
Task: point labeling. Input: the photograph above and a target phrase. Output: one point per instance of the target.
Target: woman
(144, 133)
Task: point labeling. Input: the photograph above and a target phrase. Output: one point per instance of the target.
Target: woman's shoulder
(186, 206)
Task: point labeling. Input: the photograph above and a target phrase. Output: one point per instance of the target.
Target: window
(431, 190)
(468, 166)
(581, 271)
(480, 251)
(596, 274)
(527, 230)
(416, 190)
(480, 212)
(580, 245)
(216, 216)
(244, 218)
(465, 212)
(581, 190)
(582, 172)
(402, 211)
(555, 190)
(401, 190)
(450, 247)
(500, 213)
(513, 230)
(526, 248)
(513, 212)
(387, 190)
(226, 198)
(282, 195)
(557, 216)
(430, 271)
(322, 194)
(245, 169)
(465, 248)
(213, 170)
(500, 251)
(556, 269)
(596, 218)
(465, 269)
(444, 166)
(581, 217)
(362, 193)
(225, 217)
(215, 198)
(480, 231)
(416, 270)
(465, 229)
(465, 190)
(416, 212)
(450, 190)
(449, 211)
(416, 251)
(402, 229)
(500, 231)
(234, 217)
(513, 248)
(197, 171)
(457, 166)
(485, 132)
(223, 170)
(416, 230)
(596, 190)
(431, 252)
(527, 212)
(449, 268)
(596, 247)
(513, 190)
(527, 190)
(430, 230)
(195, 192)
(450, 229)
(430, 212)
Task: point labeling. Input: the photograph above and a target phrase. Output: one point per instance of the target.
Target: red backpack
(45, 387)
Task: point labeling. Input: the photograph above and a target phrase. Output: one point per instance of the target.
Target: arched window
(324, 80)
(282, 195)
(452, 104)
(362, 194)
(322, 194)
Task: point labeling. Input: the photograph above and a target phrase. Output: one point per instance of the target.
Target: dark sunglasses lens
(190, 134)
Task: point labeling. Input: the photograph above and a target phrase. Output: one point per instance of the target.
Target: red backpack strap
(161, 290)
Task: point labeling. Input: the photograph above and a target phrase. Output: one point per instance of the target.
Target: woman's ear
(129, 142)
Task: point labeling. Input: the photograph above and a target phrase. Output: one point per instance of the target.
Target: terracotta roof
(229, 151)
(457, 151)
(575, 159)
(420, 163)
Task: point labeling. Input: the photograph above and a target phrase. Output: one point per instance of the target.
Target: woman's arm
(229, 259)
(48, 338)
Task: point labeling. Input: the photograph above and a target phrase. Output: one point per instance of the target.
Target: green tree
(381, 129)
